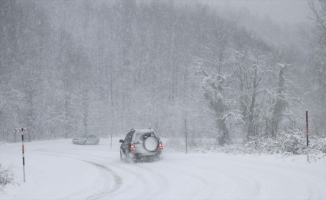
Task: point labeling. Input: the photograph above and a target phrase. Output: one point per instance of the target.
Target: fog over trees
(102, 67)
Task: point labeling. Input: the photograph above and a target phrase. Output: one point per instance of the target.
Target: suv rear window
(129, 137)
(143, 136)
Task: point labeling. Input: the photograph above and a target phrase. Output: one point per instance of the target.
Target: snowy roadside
(290, 143)
(60, 170)
(45, 175)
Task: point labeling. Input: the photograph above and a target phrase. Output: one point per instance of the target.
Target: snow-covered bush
(291, 142)
(6, 177)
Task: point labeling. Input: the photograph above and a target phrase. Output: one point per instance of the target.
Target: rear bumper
(76, 141)
(147, 155)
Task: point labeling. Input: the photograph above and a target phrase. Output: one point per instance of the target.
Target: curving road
(176, 176)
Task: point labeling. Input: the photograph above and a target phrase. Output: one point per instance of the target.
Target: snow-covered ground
(61, 170)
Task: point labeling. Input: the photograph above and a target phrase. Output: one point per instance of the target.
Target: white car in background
(86, 139)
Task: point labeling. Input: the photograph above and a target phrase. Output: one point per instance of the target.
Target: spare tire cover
(150, 144)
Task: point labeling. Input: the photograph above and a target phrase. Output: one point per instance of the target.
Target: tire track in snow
(254, 176)
(264, 183)
(140, 177)
(124, 168)
(151, 187)
(196, 185)
(160, 180)
(117, 179)
(244, 180)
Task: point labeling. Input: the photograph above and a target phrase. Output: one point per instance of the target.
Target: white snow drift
(60, 170)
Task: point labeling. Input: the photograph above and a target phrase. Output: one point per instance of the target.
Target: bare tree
(317, 95)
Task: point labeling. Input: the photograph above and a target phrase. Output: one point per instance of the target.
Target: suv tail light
(132, 148)
(160, 145)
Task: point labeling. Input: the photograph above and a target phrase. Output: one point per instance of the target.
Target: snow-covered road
(60, 170)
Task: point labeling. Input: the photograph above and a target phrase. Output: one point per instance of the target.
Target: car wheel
(127, 158)
(130, 159)
(96, 143)
(84, 142)
(121, 158)
(158, 157)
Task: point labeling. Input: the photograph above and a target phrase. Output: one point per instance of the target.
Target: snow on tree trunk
(280, 104)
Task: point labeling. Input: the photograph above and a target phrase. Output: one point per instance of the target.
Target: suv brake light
(160, 145)
(132, 148)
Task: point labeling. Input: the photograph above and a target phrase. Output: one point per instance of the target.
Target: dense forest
(69, 67)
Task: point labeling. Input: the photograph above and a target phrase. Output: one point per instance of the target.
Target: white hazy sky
(282, 11)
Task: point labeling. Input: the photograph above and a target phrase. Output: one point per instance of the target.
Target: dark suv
(141, 145)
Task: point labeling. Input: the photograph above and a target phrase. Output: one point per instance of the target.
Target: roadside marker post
(307, 131)
(186, 136)
(111, 142)
(22, 131)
